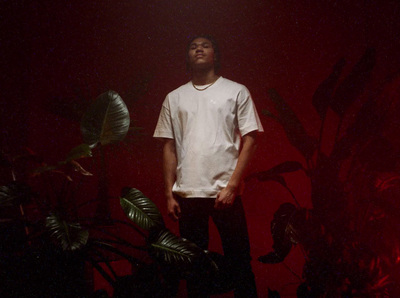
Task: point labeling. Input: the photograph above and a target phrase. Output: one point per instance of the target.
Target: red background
(73, 52)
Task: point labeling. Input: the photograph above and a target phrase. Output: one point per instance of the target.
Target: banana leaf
(106, 121)
(353, 84)
(271, 174)
(367, 125)
(323, 95)
(71, 236)
(141, 210)
(294, 130)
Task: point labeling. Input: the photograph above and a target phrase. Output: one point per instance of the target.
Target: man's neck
(200, 77)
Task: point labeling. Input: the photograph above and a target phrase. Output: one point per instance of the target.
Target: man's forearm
(169, 166)
(247, 152)
(226, 196)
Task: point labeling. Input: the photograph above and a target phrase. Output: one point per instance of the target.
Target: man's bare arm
(226, 196)
(169, 170)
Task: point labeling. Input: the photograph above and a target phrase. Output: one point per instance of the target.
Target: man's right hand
(174, 210)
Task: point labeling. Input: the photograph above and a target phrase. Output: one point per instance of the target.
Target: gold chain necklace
(202, 89)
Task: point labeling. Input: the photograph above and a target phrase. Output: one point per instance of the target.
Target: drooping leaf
(71, 236)
(282, 243)
(77, 167)
(80, 151)
(294, 130)
(269, 114)
(107, 120)
(353, 84)
(370, 120)
(14, 194)
(265, 176)
(285, 167)
(140, 209)
(170, 249)
(323, 95)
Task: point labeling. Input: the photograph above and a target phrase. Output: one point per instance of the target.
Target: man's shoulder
(183, 88)
(232, 84)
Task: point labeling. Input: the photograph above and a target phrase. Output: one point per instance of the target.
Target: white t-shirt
(206, 126)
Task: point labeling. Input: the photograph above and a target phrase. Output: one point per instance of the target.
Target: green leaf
(141, 210)
(14, 194)
(106, 121)
(169, 249)
(83, 150)
(70, 236)
(294, 130)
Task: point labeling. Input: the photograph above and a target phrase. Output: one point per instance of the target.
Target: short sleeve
(248, 119)
(164, 125)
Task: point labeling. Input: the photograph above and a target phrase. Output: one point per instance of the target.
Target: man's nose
(199, 49)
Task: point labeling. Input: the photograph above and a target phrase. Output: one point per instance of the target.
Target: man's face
(201, 54)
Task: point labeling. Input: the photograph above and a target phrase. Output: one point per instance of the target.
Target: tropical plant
(42, 193)
(65, 239)
(350, 236)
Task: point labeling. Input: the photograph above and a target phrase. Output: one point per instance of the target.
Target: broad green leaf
(80, 151)
(71, 236)
(170, 249)
(141, 210)
(106, 121)
(14, 194)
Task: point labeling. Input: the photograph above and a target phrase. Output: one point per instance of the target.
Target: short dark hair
(214, 43)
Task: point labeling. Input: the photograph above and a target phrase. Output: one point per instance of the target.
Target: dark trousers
(232, 228)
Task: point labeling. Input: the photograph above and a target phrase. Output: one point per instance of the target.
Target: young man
(204, 123)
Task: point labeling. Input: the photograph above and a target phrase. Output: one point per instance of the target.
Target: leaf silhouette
(323, 95)
(107, 120)
(141, 210)
(294, 130)
(370, 120)
(368, 123)
(353, 84)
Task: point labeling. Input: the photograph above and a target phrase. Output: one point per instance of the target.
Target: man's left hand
(225, 198)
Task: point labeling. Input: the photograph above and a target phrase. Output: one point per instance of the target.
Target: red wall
(70, 53)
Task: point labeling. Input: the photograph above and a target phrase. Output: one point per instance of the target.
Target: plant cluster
(350, 236)
(48, 244)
